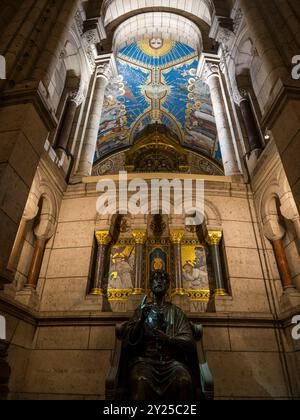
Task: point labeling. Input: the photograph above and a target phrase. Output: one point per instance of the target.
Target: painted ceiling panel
(157, 83)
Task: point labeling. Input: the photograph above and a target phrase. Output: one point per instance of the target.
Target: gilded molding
(137, 292)
(198, 295)
(179, 292)
(177, 236)
(214, 237)
(139, 236)
(220, 292)
(103, 237)
(97, 292)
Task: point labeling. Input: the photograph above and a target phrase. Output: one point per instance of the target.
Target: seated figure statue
(162, 363)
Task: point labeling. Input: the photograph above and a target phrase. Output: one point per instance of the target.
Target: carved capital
(214, 237)
(77, 96)
(139, 236)
(272, 228)
(177, 235)
(103, 237)
(105, 70)
(239, 95)
(210, 70)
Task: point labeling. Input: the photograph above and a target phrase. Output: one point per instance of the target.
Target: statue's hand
(145, 309)
(161, 336)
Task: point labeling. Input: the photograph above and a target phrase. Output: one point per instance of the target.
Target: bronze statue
(161, 350)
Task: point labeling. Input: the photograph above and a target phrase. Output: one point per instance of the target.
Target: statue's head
(159, 282)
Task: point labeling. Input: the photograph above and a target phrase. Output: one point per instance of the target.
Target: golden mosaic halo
(145, 46)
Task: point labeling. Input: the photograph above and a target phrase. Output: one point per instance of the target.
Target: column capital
(103, 237)
(240, 95)
(272, 228)
(214, 237)
(106, 66)
(176, 235)
(209, 66)
(77, 97)
(139, 236)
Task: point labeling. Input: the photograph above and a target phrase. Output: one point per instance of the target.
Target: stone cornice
(87, 318)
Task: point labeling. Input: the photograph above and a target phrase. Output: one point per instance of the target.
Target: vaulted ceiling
(157, 83)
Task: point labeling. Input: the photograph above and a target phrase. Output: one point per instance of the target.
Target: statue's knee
(184, 379)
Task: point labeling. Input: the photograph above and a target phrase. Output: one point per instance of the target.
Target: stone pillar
(103, 240)
(283, 265)
(209, 70)
(36, 264)
(250, 122)
(275, 233)
(140, 238)
(176, 238)
(74, 100)
(29, 296)
(104, 73)
(213, 240)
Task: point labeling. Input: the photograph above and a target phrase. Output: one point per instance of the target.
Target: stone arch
(48, 213)
(212, 214)
(198, 12)
(158, 24)
(268, 199)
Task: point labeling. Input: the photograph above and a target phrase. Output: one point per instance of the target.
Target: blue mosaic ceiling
(157, 84)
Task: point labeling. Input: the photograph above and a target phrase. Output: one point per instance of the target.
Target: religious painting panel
(121, 270)
(196, 270)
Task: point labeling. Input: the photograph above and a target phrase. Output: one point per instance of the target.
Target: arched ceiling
(157, 84)
(114, 9)
(158, 25)
(116, 12)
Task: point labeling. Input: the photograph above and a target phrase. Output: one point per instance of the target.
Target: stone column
(213, 240)
(275, 233)
(250, 122)
(36, 264)
(140, 239)
(74, 100)
(176, 238)
(283, 265)
(103, 240)
(104, 73)
(209, 70)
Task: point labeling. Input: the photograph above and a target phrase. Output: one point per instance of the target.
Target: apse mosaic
(157, 83)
